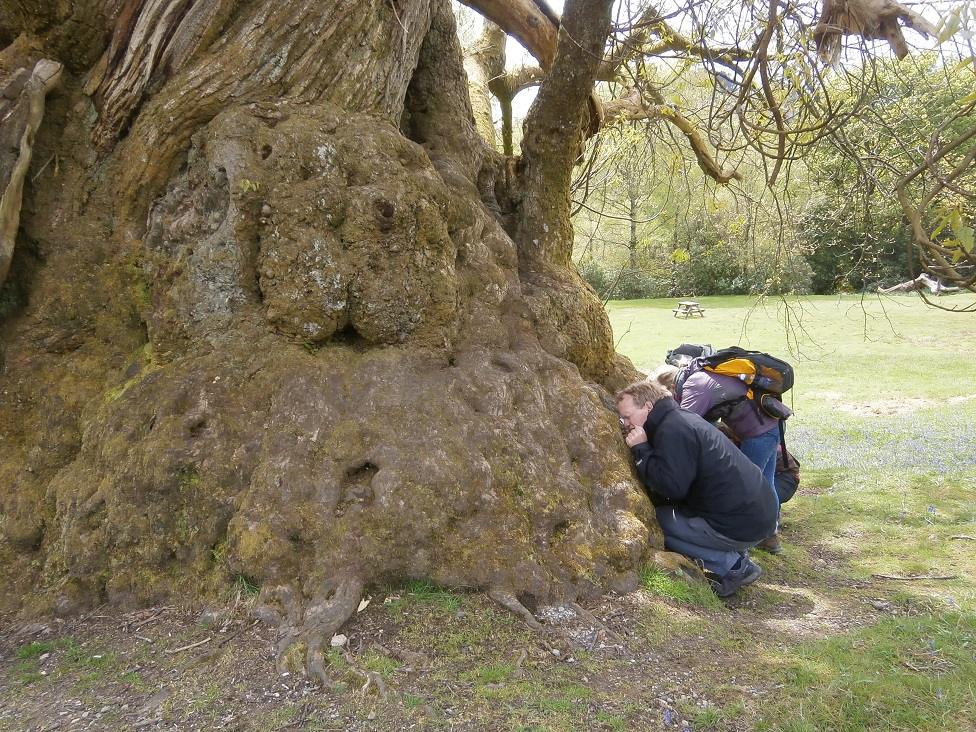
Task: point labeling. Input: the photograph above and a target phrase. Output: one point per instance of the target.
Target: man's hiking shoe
(736, 578)
(771, 545)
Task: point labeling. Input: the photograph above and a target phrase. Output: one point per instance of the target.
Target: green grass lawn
(883, 382)
(842, 347)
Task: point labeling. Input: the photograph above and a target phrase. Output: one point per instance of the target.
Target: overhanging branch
(947, 168)
(870, 19)
(633, 107)
(653, 24)
(532, 22)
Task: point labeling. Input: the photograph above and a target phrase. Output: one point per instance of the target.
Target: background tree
(854, 224)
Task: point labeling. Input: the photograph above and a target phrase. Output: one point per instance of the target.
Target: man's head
(665, 374)
(636, 401)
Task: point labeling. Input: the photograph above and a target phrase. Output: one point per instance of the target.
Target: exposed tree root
(590, 617)
(412, 659)
(557, 641)
(307, 628)
(511, 603)
(373, 679)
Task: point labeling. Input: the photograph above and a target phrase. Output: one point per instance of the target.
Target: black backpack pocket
(773, 407)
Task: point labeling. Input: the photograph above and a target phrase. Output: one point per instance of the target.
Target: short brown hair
(644, 392)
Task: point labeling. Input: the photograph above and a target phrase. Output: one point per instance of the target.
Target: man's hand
(635, 436)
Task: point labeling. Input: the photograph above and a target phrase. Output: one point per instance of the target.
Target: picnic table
(688, 308)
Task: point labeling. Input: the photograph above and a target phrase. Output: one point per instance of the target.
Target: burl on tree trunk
(276, 312)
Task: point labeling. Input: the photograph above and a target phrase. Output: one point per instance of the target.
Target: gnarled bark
(277, 329)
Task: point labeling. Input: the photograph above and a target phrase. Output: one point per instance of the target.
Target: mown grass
(895, 523)
(880, 382)
(845, 349)
(903, 673)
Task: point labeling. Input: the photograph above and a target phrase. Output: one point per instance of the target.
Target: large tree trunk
(264, 319)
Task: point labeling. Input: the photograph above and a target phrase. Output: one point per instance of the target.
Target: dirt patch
(886, 408)
(960, 399)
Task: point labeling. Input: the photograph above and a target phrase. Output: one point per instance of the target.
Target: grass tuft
(35, 649)
(245, 586)
(684, 591)
(426, 592)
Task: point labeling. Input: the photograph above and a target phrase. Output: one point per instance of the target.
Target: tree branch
(532, 22)
(554, 130)
(652, 23)
(633, 107)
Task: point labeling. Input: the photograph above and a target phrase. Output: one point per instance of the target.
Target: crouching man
(712, 502)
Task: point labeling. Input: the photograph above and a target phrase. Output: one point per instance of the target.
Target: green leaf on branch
(965, 237)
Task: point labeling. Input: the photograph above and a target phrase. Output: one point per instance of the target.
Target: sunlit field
(884, 413)
(881, 382)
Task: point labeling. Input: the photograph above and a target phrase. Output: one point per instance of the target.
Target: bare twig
(187, 648)
(225, 640)
(916, 577)
(43, 167)
(630, 324)
(151, 618)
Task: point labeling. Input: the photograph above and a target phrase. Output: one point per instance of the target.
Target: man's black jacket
(698, 470)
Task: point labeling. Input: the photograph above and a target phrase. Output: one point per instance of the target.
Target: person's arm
(668, 469)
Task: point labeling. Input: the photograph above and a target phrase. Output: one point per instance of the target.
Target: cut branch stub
(22, 98)
(870, 19)
(532, 22)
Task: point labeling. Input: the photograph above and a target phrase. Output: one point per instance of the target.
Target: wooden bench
(688, 308)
